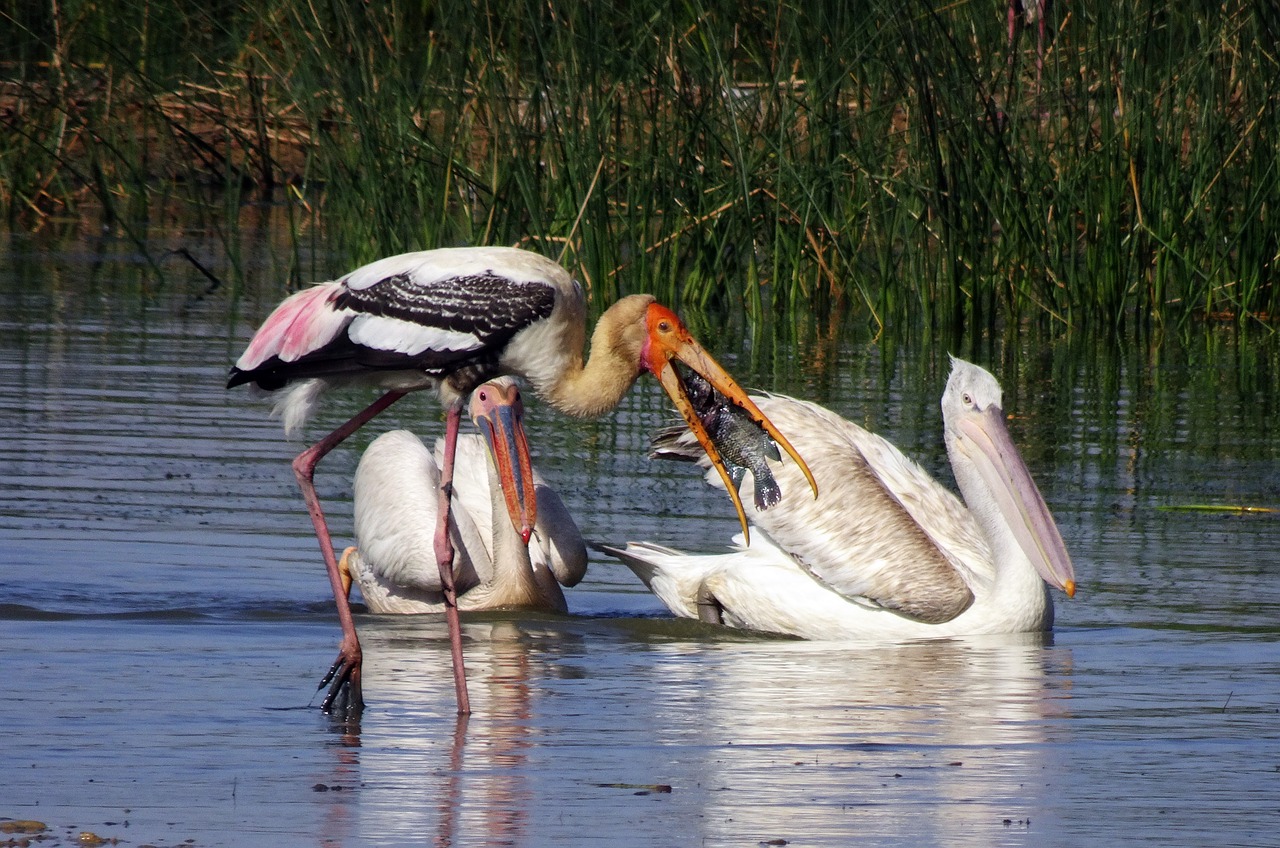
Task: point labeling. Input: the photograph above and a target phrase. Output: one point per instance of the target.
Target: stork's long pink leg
(345, 673)
(444, 555)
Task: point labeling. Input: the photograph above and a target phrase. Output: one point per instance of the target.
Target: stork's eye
(664, 326)
(483, 396)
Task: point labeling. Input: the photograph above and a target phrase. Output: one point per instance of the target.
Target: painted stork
(884, 552)
(449, 320)
(396, 486)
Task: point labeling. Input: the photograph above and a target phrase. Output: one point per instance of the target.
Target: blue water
(166, 617)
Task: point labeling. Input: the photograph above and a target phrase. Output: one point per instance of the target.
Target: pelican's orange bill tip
(674, 339)
(1070, 588)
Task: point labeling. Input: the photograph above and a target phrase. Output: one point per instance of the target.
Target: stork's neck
(591, 390)
(596, 387)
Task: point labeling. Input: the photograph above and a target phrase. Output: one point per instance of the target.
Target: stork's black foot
(344, 697)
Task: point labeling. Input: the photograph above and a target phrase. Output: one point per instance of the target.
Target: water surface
(166, 615)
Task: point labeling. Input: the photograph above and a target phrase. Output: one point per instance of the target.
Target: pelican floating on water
(884, 552)
(396, 514)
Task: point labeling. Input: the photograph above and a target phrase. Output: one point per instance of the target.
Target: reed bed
(908, 162)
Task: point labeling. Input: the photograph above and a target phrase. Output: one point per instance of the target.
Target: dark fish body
(743, 444)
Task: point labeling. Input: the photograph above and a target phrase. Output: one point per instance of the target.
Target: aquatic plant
(904, 161)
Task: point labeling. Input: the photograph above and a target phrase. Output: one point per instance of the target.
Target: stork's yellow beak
(668, 340)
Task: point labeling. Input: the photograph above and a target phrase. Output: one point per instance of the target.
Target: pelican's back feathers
(879, 551)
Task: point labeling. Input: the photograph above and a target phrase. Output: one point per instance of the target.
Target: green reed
(900, 161)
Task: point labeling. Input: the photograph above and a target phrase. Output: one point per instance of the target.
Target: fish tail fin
(768, 492)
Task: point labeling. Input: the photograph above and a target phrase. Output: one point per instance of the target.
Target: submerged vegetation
(904, 160)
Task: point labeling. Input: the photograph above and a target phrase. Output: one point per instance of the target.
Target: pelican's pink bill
(497, 409)
(1018, 498)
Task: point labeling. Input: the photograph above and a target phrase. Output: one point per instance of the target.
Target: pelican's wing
(395, 492)
(936, 512)
(557, 536)
(881, 532)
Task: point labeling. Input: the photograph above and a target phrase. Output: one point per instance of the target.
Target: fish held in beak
(743, 444)
(669, 341)
(498, 411)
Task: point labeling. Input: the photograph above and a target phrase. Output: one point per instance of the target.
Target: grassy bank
(903, 160)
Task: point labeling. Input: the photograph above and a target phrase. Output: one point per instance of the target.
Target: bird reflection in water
(760, 738)
(405, 783)
(939, 740)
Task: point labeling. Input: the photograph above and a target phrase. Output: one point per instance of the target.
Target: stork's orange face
(669, 339)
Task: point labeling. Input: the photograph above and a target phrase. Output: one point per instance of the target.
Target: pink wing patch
(303, 322)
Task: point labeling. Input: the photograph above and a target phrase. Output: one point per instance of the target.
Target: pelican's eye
(664, 326)
(967, 398)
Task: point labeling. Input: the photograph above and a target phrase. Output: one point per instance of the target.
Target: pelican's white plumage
(396, 503)
(884, 552)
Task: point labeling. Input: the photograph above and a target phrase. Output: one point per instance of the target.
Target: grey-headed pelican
(884, 552)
